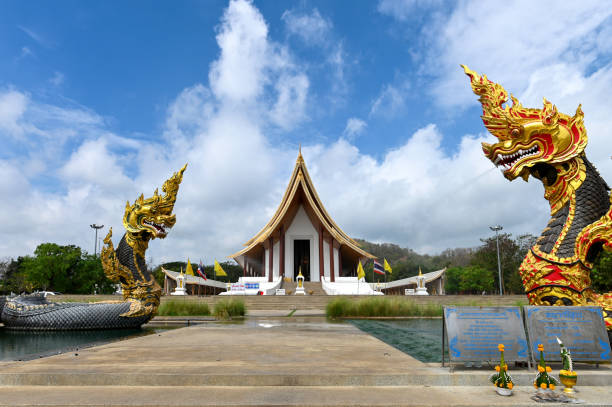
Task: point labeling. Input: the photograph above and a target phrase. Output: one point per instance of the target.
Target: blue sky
(127, 63)
(102, 101)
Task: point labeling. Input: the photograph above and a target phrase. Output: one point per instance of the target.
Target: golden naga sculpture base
(549, 146)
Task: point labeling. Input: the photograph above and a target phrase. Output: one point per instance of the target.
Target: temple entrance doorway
(301, 258)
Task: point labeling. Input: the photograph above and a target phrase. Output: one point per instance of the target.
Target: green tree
(65, 269)
(89, 277)
(52, 268)
(452, 280)
(475, 280)
(511, 252)
(468, 280)
(12, 280)
(601, 275)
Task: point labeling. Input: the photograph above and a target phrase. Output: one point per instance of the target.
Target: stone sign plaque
(475, 332)
(581, 329)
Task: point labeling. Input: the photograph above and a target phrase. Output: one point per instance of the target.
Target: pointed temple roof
(301, 190)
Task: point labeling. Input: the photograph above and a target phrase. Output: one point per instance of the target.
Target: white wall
(302, 229)
(326, 259)
(336, 263)
(326, 264)
(266, 261)
(275, 261)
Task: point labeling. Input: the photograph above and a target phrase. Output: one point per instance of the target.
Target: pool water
(420, 338)
(25, 345)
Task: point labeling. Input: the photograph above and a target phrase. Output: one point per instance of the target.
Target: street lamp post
(96, 227)
(497, 229)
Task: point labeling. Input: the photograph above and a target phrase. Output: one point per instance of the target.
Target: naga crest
(153, 215)
(526, 136)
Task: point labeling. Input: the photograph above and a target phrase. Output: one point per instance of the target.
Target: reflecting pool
(420, 338)
(25, 345)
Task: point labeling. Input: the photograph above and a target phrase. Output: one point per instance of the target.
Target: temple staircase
(313, 288)
(289, 286)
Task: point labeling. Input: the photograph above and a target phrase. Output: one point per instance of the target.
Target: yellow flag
(388, 267)
(360, 272)
(219, 270)
(189, 270)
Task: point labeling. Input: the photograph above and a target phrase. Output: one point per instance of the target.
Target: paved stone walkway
(270, 361)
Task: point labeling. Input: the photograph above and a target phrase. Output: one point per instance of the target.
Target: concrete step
(419, 376)
(459, 396)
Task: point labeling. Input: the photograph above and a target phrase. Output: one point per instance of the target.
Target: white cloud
(238, 74)
(402, 10)
(417, 195)
(92, 159)
(291, 103)
(25, 52)
(57, 79)
(420, 197)
(35, 36)
(391, 100)
(315, 30)
(510, 41)
(336, 60)
(566, 87)
(311, 28)
(354, 127)
(12, 107)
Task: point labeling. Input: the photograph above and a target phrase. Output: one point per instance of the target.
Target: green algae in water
(419, 338)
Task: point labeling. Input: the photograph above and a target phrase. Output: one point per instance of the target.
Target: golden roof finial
(300, 158)
(420, 274)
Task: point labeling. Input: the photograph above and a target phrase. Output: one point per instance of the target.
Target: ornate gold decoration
(152, 215)
(144, 220)
(597, 232)
(550, 146)
(526, 135)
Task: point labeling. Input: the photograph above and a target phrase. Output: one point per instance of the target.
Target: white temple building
(302, 237)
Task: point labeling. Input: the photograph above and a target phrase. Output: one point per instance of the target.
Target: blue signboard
(251, 286)
(474, 334)
(581, 329)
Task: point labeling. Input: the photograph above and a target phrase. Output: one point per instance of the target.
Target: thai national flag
(378, 268)
(201, 271)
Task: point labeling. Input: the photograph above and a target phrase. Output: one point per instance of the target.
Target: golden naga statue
(146, 219)
(549, 146)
